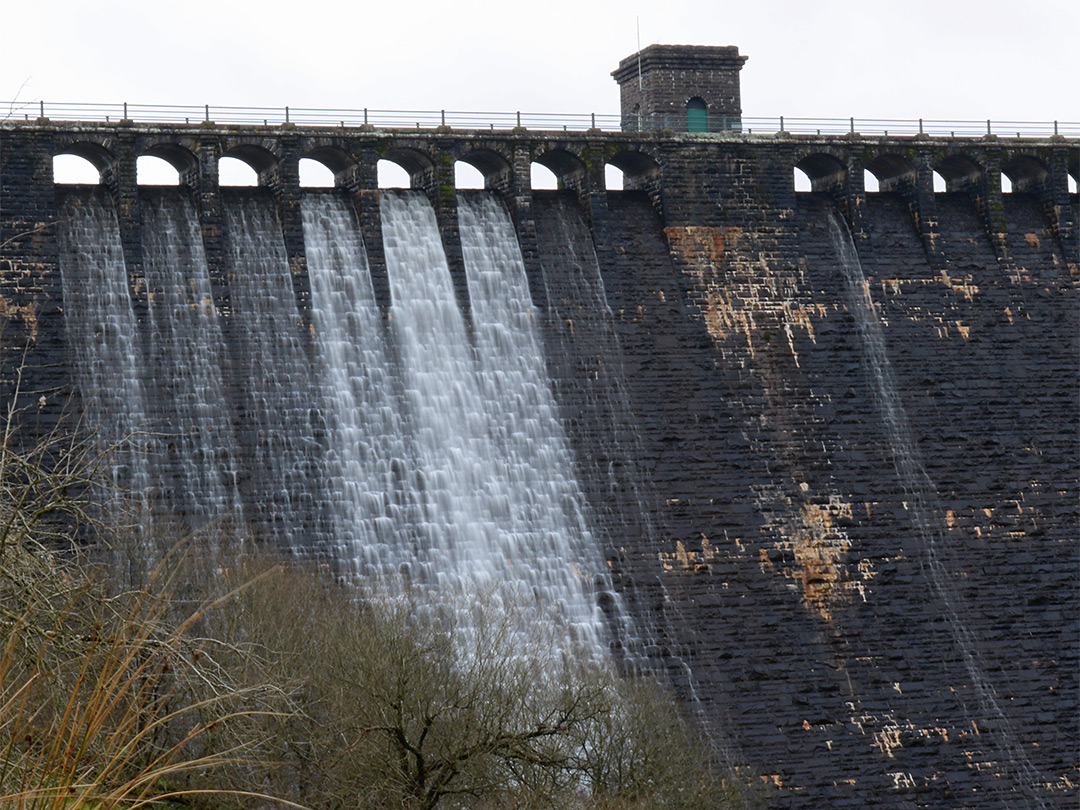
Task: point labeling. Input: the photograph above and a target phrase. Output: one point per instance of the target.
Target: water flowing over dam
(809, 455)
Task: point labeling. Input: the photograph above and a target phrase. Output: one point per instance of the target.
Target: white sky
(954, 59)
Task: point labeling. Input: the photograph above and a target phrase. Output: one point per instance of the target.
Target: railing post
(519, 119)
(853, 124)
(920, 127)
(286, 115)
(206, 109)
(41, 106)
(125, 110)
(987, 126)
(365, 116)
(781, 123)
(1055, 128)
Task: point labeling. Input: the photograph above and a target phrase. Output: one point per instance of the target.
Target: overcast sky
(955, 59)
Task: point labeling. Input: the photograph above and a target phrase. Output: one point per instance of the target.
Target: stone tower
(688, 88)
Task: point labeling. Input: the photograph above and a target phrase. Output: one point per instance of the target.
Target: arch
(958, 170)
(1025, 173)
(181, 159)
(824, 171)
(541, 177)
(392, 175)
(634, 164)
(892, 170)
(467, 176)
(151, 170)
(233, 171)
(488, 162)
(1006, 184)
(1072, 183)
(697, 115)
(940, 186)
(411, 160)
(100, 157)
(315, 174)
(871, 185)
(566, 166)
(258, 158)
(70, 169)
(335, 159)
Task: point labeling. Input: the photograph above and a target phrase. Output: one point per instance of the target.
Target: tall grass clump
(110, 695)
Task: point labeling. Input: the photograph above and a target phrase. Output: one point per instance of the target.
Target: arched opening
(541, 177)
(236, 172)
(1072, 184)
(155, 171)
(315, 174)
(72, 169)
(1025, 173)
(826, 172)
(568, 168)
(242, 165)
(1006, 184)
(467, 176)
(697, 115)
(392, 175)
(891, 172)
(81, 163)
(939, 184)
(636, 168)
(802, 180)
(870, 182)
(960, 172)
(493, 169)
(614, 178)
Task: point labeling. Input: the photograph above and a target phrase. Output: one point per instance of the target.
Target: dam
(819, 447)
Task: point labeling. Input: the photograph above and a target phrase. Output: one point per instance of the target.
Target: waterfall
(490, 527)
(921, 498)
(426, 455)
(272, 371)
(102, 334)
(548, 529)
(197, 446)
(368, 451)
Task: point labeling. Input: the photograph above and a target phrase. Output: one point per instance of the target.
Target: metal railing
(568, 122)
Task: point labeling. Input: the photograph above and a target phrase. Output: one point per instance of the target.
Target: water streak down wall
(775, 544)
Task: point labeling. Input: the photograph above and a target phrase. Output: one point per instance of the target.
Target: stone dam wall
(832, 436)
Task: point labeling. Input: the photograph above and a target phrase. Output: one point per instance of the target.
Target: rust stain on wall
(740, 294)
(812, 550)
(27, 313)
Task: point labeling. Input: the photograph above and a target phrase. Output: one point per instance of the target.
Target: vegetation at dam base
(227, 678)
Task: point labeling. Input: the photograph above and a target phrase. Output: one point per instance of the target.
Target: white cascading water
(272, 372)
(101, 331)
(196, 445)
(481, 535)
(921, 496)
(367, 449)
(548, 530)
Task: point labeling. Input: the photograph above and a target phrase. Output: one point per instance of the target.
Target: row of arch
(154, 171)
(242, 164)
(325, 165)
(820, 171)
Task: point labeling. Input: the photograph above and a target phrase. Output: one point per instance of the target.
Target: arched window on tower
(697, 116)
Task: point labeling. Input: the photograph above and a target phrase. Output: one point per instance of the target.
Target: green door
(697, 116)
